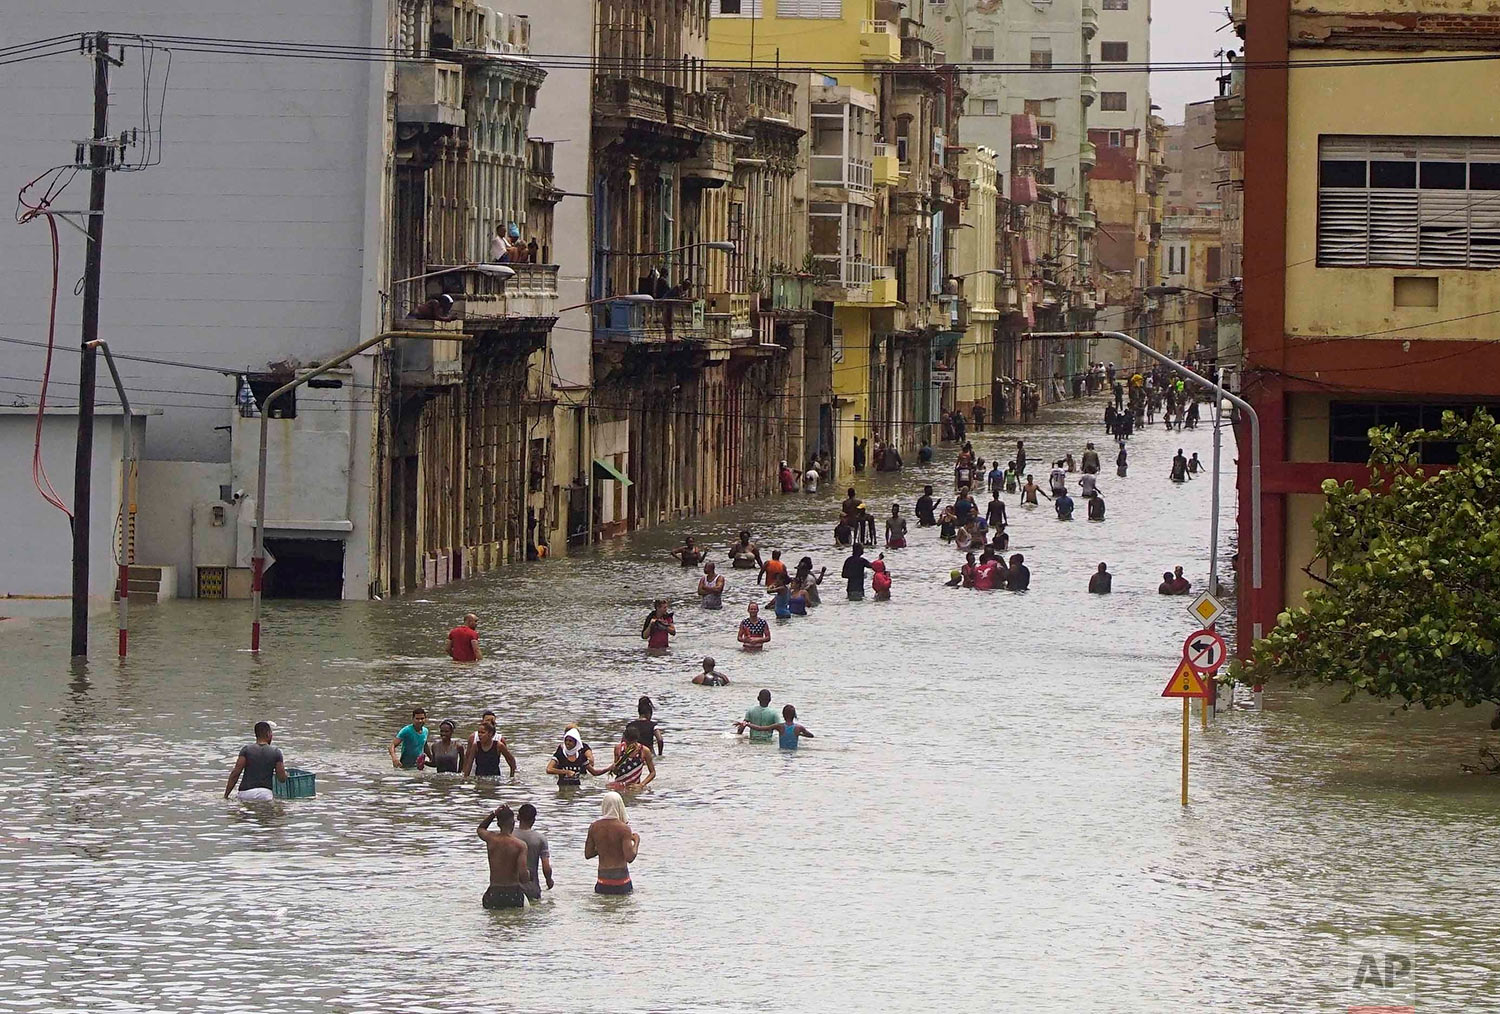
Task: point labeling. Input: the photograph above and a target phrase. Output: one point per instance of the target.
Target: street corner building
(1371, 235)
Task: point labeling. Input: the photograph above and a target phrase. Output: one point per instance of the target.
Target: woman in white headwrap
(572, 759)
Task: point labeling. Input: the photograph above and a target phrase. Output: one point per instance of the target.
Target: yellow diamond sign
(1206, 609)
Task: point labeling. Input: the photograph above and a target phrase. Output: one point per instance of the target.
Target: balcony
(431, 94)
(650, 112)
(1088, 89)
(1088, 220)
(1023, 131)
(1023, 188)
(519, 303)
(656, 322)
(887, 168)
(734, 305)
(791, 294)
(837, 171)
(881, 41)
(883, 286)
(1088, 156)
(712, 167)
(1229, 123)
(1090, 22)
(841, 279)
(429, 362)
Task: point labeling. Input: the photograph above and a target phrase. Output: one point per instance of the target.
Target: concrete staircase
(150, 584)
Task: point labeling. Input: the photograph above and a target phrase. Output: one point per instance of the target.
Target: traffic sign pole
(1186, 725)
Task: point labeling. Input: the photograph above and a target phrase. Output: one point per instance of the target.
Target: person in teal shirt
(411, 741)
(762, 715)
(789, 730)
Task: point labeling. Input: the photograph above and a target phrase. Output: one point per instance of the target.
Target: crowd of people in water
(519, 856)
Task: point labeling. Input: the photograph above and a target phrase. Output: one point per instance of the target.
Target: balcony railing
(1229, 123)
(791, 293)
(654, 322)
(1023, 130)
(528, 294)
(881, 40)
(847, 272)
(1088, 89)
(837, 171)
(1090, 21)
(429, 92)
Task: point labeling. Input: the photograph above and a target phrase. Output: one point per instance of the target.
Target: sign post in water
(1185, 683)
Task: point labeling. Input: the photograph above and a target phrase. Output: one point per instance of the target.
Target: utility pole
(101, 160)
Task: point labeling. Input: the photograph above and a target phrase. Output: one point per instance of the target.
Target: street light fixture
(997, 272)
(634, 297)
(710, 244)
(493, 270)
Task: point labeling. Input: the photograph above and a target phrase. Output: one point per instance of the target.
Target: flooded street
(988, 817)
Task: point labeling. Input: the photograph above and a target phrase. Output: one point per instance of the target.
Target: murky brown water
(988, 818)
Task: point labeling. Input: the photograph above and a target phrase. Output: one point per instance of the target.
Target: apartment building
(285, 210)
(1371, 272)
(880, 202)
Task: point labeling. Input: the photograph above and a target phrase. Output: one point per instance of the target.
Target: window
(1117, 5)
(1032, 107)
(833, 9)
(1114, 52)
(735, 8)
(1041, 52)
(1112, 102)
(1349, 424)
(1214, 269)
(982, 50)
(1409, 201)
(991, 107)
(1048, 177)
(1044, 131)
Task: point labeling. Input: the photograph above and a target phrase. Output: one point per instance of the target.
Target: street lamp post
(708, 244)
(1219, 394)
(258, 560)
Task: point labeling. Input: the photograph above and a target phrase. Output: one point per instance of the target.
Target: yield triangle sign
(1185, 682)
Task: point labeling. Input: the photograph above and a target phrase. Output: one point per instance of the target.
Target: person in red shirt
(463, 640)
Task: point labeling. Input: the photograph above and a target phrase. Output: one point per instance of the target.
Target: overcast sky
(1186, 30)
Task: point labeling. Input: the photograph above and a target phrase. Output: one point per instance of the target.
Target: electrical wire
(38, 467)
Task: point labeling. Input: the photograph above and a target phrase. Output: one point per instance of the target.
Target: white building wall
(255, 240)
(563, 116)
(1132, 27)
(955, 26)
(36, 554)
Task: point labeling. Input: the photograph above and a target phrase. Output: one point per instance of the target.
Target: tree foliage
(1410, 606)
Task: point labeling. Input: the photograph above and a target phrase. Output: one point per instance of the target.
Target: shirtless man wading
(507, 853)
(614, 843)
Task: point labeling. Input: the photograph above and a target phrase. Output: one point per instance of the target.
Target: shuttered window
(809, 9)
(734, 8)
(1430, 202)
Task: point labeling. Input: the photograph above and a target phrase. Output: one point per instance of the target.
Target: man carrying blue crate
(254, 768)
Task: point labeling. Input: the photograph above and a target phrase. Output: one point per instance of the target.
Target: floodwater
(987, 819)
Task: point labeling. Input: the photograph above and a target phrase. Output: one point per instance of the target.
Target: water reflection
(989, 807)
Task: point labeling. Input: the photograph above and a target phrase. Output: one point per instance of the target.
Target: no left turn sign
(1205, 651)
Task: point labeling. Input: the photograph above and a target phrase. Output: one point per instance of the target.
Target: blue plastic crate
(299, 784)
